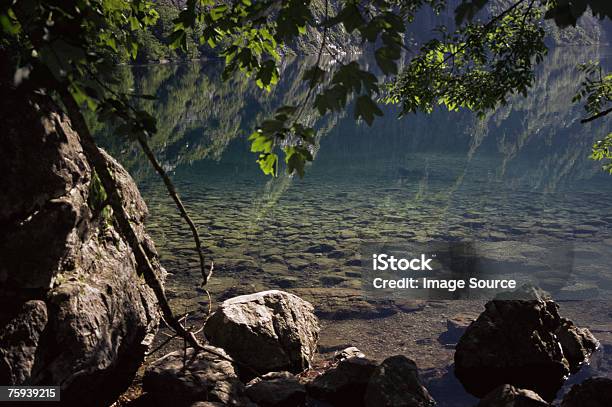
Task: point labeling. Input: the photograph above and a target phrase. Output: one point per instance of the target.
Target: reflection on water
(521, 174)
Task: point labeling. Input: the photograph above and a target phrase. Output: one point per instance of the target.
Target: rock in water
(350, 352)
(200, 376)
(344, 384)
(268, 331)
(509, 396)
(512, 342)
(594, 392)
(396, 383)
(455, 327)
(276, 389)
(73, 310)
(515, 342)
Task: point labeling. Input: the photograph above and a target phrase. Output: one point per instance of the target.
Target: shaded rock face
(510, 396)
(345, 384)
(277, 389)
(73, 311)
(19, 339)
(594, 392)
(268, 331)
(577, 343)
(200, 376)
(396, 383)
(515, 342)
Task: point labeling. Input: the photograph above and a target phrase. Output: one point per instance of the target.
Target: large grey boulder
(268, 331)
(183, 378)
(509, 396)
(396, 383)
(73, 310)
(517, 342)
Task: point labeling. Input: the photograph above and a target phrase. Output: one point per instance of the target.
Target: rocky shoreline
(280, 328)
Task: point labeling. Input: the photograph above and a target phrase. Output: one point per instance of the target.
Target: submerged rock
(268, 331)
(320, 248)
(344, 384)
(396, 383)
(350, 352)
(509, 396)
(276, 389)
(182, 379)
(73, 310)
(593, 392)
(346, 303)
(512, 342)
(455, 327)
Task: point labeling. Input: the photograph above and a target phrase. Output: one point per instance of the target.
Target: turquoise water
(518, 180)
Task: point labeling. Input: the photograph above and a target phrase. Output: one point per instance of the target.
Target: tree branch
(206, 274)
(596, 116)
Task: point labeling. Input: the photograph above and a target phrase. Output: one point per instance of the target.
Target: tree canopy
(477, 64)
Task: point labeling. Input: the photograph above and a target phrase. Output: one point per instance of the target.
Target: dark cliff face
(588, 31)
(73, 311)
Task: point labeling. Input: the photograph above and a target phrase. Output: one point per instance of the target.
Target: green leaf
(314, 76)
(260, 142)
(269, 164)
(386, 64)
(367, 109)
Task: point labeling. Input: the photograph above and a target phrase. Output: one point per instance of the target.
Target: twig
(206, 274)
(596, 116)
(169, 187)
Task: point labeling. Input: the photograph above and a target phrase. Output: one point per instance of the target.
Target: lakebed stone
(350, 352)
(268, 331)
(455, 327)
